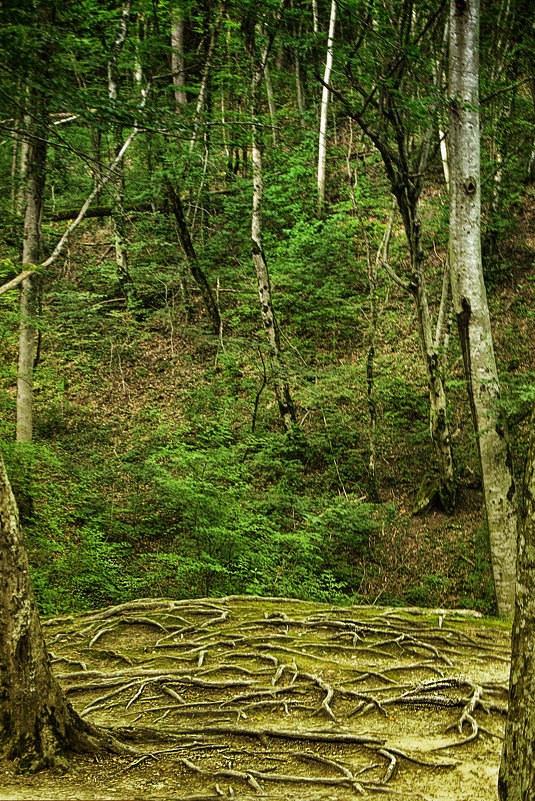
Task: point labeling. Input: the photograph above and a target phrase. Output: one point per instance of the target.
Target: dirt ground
(245, 697)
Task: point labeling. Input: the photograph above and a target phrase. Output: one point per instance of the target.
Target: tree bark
(322, 148)
(177, 57)
(203, 90)
(516, 781)
(470, 300)
(37, 724)
(34, 185)
(117, 183)
(271, 101)
(405, 149)
(191, 256)
(282, 389)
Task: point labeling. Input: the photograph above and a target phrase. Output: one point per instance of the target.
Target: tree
(282, 389)
(322, 149)
(178, 67)
(33, 185)
(116, 136)
(37, 723)
(191, 256)
(516, 780)
(397, 111)
(470, 299)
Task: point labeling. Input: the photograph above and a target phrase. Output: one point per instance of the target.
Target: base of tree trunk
(56, 739)
(428, 495)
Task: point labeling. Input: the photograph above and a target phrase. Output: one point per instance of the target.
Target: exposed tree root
(204, 678)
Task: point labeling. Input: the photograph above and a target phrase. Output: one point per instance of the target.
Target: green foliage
(147, 476)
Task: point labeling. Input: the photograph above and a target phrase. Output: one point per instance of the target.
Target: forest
(267, 299)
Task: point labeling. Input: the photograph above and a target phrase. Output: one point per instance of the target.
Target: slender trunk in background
(191, 256)
(315, 21)
(14, 167)
(441, 80)
(271, 99)
(201, 99)
(322, 149)
(433, 363)
(34, 185)
(23, 159)
(470, 300)
(118, 212)
(299, 91)
(373, 270)
(406, 163)
(516, 781)
(531, 163)
(299, 88)
(177, 57)
(282, 388)
(438, 417)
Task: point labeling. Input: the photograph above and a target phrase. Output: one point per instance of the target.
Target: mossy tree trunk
(517, 771)
(470, 300)
(37, 724)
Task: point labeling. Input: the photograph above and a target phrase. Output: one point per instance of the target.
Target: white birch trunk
(470, 300)
(322, 149)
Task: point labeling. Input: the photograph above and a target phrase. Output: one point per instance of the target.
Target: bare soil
(245, 697)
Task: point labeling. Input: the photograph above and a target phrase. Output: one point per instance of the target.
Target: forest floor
(246, 697)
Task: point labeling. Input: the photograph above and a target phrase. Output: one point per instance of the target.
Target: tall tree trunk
(516, 781)
(37, 723)
(34, 185)
(118, 212)
(315, 20)
(470, 300)
(201, 99)
(271, 99)
(282, 389)
(177, 57)
(299, 88)
(191, 256)
(372, 269)
(431, 346)
(322, 148)
(438, 418)
(15, 174)
(23, 156)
